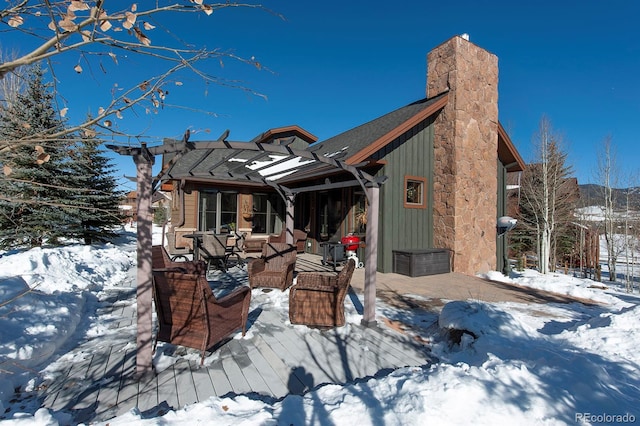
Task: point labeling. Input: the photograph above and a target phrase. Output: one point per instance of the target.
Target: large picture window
(217, 210)
(415, 196)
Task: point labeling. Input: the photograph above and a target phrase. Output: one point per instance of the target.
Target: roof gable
(361, 142)
(293, 135)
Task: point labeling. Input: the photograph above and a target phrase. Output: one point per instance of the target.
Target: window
(268, 211)
(415, 196)
(217, 209)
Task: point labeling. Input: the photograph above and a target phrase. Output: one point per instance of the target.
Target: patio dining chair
(189, 314)
(274, 268)
(213, 250)
(317, 299)
(178, 246)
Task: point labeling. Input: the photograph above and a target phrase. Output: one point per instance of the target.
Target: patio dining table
(230, 250)
(197, 243)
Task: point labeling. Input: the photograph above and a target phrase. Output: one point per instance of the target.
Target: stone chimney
(465, 153)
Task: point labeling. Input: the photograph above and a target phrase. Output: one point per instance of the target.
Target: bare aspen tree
(548, 198)
(630, 236)
(11, 84)
(608, 177)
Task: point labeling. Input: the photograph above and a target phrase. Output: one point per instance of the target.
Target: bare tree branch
(88, 29)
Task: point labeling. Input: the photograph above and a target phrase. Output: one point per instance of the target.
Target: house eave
(384, 140)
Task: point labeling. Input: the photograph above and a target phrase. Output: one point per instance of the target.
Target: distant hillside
(591, 195)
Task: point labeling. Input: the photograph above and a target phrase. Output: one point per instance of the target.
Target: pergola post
(144, 162)
(289, 219)
(371, 257)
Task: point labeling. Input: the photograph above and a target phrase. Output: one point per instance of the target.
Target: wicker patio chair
(274, 268)
(317, 300)
(160, 259)
(299, 238)
(190, 315)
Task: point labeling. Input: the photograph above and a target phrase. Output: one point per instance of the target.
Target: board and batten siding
(411, 154)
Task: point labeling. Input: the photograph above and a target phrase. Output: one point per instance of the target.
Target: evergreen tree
(96, 215)
(33, 185)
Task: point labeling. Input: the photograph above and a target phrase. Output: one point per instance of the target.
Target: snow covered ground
(520, 364)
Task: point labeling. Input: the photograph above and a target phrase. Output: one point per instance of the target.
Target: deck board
(67, 384)
(167, 389)
(147, 393)
(185, 384)
(108, 392)
(279, 368)
(238, 382)
(275, 385)
(220, 380)
(250, 372)
(202, 381)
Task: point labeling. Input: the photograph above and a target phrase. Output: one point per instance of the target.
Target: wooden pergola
(276, 165)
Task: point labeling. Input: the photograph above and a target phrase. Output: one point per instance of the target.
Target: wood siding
(191, 206)
(405, 228)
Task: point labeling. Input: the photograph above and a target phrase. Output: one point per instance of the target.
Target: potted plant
(361, 215)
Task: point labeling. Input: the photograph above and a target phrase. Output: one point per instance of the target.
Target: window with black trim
(415, 196)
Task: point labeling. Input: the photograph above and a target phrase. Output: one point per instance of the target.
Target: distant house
(446, 158)
(128, 207)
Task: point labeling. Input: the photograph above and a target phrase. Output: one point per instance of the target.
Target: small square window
(414, 192)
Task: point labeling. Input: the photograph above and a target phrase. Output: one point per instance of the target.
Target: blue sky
(335, 65)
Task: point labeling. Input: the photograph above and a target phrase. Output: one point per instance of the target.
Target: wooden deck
(273, 360)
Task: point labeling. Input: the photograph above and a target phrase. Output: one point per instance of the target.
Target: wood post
(144, 162)
(289, 219)
(371, 257)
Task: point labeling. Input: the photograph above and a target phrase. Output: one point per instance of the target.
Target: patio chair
(190, 315)
(299, 239)
(213, 250)
(317, 299)
(160, 259)
(253, 244)
(274, 268)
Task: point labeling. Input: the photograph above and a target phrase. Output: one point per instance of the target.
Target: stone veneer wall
(465, 153)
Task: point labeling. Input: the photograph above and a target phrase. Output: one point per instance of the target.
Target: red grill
(352, 242)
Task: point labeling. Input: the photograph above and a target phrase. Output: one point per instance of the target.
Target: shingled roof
(360, 142)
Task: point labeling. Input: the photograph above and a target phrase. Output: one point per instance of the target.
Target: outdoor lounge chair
(161, 260)
(317, 299)
(189, 314)
(299, 239)
(274, 268)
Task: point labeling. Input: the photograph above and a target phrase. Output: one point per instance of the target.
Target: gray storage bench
(419, 262)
